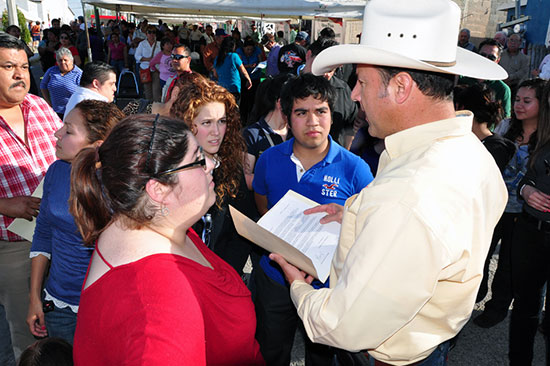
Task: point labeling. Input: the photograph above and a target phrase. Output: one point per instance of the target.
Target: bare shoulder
(119, 246)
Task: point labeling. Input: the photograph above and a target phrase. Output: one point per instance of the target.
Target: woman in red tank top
(154, 293)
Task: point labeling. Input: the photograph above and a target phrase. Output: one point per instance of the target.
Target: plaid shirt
(22, 166)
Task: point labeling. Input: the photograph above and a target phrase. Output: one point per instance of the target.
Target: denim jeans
(118, 65)
(437, 358)
(61, 323)
(6, 350)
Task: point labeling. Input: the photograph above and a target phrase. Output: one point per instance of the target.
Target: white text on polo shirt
(329, 188)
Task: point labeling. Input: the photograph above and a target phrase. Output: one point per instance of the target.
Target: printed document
(300, 238)
(25, 228)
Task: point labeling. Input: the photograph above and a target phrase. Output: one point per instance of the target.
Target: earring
(164, 210)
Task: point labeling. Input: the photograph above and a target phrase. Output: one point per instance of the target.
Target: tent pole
(12, 12)
(98, 21)
(87, 32)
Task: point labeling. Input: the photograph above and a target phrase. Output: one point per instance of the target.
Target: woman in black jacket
(531, 245)
(213, 116)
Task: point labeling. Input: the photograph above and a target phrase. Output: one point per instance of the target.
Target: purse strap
(153, 51)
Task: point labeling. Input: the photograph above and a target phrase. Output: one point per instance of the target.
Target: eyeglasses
(178, 57)
(201, 162)
(490, 57)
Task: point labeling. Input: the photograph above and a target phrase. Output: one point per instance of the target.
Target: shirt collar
(263, 124)
(90, 92)
(26, 103)
(404, 141)
(331, 155)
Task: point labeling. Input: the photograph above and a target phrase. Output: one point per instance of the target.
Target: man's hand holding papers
(302, 239)
(334, 213)
(291, 273)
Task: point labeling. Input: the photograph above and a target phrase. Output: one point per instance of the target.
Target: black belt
(541, 225)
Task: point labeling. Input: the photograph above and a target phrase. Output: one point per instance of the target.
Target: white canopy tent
(239, 8)
(214, 10)
(194, 18)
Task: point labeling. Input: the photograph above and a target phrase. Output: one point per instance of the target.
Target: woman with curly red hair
(213, 116)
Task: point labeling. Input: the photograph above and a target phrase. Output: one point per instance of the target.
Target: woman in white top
(543, 71)
(145, 51)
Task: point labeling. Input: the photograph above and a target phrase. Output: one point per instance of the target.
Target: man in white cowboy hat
(413, 243)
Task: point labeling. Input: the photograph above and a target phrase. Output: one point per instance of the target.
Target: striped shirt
(61, 87)
(22, 166)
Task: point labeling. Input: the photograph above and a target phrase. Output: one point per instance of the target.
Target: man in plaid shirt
(27, 148)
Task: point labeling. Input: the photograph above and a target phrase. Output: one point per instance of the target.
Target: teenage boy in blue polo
(315, 166)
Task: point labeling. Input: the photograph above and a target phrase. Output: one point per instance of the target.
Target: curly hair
(195, 92)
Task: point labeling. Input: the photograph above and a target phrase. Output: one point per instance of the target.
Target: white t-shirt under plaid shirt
(22, 166)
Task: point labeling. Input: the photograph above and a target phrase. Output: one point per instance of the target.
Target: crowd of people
(428, 159)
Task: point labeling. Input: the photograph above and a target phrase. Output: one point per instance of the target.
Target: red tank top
(166, 309)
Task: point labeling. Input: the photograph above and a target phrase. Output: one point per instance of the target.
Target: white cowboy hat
(411, 34)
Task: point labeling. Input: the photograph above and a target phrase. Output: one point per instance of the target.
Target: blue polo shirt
(337, 177)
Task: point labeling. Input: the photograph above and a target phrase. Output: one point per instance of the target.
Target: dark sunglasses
(201, 162)
(178, 57)
(490, 57)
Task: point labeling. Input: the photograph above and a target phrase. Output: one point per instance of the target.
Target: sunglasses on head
(490, 57)
(177, 57)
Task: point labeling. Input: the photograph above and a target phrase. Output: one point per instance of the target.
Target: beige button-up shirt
(412, 247)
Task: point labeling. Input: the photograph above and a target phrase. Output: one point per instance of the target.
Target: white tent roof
(200, 18)
(240, 8)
